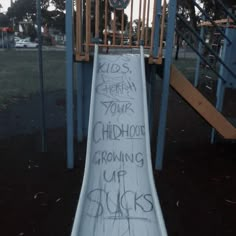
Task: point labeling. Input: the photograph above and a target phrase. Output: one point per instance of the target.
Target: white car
(17, 39)
(25, 43)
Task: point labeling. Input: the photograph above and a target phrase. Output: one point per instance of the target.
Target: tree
(59, 5)
(187, 10)
(55, 19)
(119, 20)
(26, 10)
(214, 8)
(22, 9)
(4, 20)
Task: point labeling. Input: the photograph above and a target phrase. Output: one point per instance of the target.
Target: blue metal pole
(151, 97)
(40, 64)
(166, 82)
(69, 84)
(208, 47)
(201, 56)
(220, 85)
(212, 21)
(80, 134)
(227, 11)
(87, 82)
(196, 80)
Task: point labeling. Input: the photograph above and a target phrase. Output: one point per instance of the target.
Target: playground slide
(118, 195)
(201, 104)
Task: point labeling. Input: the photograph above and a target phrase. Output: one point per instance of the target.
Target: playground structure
(84, 43)
(114, 28)
(115, 44)
(154, 54)
(221, 60)
(118, 174)
(151, 38)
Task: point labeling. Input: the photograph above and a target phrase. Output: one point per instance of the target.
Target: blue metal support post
(200, 48)
(166, 82)
(158, 10)
(80, 123)
(69, 84)
(220, 87)
(40, 64)
(151, 93)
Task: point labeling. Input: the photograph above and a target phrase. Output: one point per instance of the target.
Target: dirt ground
(38, 195)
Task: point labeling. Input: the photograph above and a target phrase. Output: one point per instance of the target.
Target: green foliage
(60, 5)
(22, 9)
(26, 10)
(119, 20)
(215, 10)
(55, 19)
(4, 20)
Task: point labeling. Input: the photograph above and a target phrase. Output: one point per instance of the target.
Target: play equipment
(220, 59)
(118, 36)
(118, 195)
(123, 38)
(186, 90)
(145, 25)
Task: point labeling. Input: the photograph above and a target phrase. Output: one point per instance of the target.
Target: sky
(5, 4)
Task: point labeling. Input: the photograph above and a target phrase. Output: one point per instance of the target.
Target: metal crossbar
(208, 48)
(226, 10)
(200, 55)
(212, 22)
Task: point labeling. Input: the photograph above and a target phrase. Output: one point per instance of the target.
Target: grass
(19, 74)
(187, 66)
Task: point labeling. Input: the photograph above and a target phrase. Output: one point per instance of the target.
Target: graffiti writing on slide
(116, 87)
(119, 205)
(118, 107)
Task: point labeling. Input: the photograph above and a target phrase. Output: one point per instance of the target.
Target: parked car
(17, 39)
(26, 43)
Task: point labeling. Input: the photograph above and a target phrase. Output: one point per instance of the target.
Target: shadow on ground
(38, 195)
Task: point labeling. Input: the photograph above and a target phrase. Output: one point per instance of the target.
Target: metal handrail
(200, 55)
(212, 22)
(227, 10)
(208, 48)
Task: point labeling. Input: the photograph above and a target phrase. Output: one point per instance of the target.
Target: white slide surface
(118, 195)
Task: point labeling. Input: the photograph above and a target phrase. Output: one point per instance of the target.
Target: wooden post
(162, 30)
(143, 21)
(131, 23)
(88, 26)
(139, 19)
(153, 27)
(106, 13)
(147, 25)
(78, 27)
(122, 28)
(97, 20)
(114, 29)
